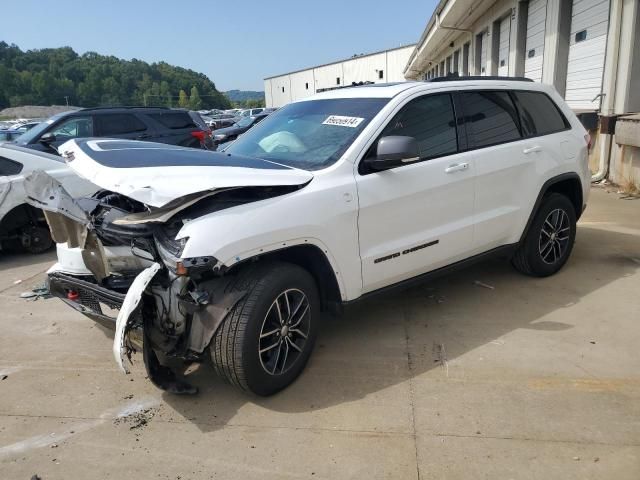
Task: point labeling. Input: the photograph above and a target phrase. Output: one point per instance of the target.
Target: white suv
(330, 199)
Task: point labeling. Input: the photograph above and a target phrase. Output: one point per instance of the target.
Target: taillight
(587, 138)
(199, 134)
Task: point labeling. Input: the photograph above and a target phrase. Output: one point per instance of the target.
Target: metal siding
(586, 58)
(280, 98)
(536, 21)
(396, 61)
(298, 81)
(326, 76)
(503, 50)
(365, 69)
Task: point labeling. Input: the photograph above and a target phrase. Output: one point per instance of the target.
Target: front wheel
(549, 241)
(265, 341)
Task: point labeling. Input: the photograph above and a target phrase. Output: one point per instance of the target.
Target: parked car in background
(250, 112)
(23, 127)
(154, 124)
(9, 135)
(23, 226)
(223, 120)
(229, 134)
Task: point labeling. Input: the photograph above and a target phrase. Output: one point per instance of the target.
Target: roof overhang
(450, 19)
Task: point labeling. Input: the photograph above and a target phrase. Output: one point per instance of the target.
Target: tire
(549, 241)
(36, 240)
(239, 347)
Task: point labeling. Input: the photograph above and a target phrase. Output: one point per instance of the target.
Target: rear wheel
(265, 341)
(549, 241)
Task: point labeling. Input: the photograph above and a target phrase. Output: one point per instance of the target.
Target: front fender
(316, 215)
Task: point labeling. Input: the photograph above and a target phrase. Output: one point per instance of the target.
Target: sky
(235, 43)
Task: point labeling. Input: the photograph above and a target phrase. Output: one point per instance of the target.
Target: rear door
(512, 152)
(419, 216)
(121, 125)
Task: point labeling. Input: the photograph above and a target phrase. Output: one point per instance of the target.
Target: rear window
(174, 120)
(9, 167)
(538, 114)
(490, 118)
(118, 124)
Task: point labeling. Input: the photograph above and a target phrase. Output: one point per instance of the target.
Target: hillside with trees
(58, 76)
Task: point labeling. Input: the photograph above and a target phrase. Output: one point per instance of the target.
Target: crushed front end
(129, 275)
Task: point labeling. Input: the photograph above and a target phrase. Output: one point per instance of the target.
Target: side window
(490, 118)
(431, 121)
(78, 127)
(174, 120)
(9, 167)
(538, 114)
(118, 124)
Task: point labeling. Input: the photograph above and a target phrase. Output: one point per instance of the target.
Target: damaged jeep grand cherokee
(233, 255)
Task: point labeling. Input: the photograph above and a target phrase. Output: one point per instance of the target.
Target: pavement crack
(410, 365)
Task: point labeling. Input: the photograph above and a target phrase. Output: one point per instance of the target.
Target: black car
(152, 124)
(229, 134)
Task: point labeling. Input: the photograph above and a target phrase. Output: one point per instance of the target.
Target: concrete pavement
(535, 378)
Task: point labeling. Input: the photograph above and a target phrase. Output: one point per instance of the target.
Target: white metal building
(588, 49)
(378, 67)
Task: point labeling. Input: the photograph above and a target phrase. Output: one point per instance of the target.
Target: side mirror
(393, 151)
(47, 138)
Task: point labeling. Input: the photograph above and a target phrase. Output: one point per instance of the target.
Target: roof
(355, 57)
(390, 90)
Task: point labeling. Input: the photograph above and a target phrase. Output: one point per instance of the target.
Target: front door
(417, 217)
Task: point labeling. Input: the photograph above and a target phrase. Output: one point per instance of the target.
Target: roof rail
(120, 106)
(456, 78)
(353, 84)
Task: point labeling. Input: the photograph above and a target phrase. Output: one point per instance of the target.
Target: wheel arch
(315, 260)
(19, 216)
(567, 184)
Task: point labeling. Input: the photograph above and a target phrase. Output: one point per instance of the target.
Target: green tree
(183, 101)
(195, 102)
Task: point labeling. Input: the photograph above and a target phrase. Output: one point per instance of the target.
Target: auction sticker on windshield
(342, 121)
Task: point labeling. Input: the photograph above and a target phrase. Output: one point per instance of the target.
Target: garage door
(587, 46)
(503, 49)
(483, 53)
(536, 20)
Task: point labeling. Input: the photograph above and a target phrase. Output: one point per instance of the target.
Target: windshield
(309, 135)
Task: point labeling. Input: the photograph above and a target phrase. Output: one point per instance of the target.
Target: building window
(581, 36)
(380, 74)
(306, 86)
(502, 63)
(337, 80)
(282, 89)
(532, 53)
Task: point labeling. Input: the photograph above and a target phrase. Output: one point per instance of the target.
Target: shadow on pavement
(388, 339)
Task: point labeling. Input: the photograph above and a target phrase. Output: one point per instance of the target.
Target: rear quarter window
(174, 120)
(9, 167)
(539, 115)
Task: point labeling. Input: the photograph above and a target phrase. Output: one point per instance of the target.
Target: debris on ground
(440, 356)
(4, 377)
(138, 419)
(36, 477)
(39, 291)
(17, 282)
(484, 285)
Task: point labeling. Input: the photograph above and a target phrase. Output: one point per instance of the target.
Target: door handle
(144, 135)
(529, 150)
(456, 167)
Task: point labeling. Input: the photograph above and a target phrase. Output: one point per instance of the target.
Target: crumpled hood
(157, 174)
